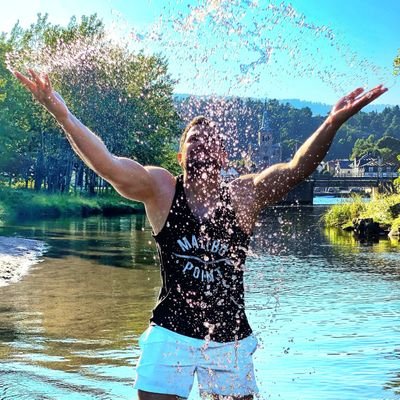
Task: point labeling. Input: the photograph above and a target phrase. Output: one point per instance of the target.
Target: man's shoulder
(242, 190)
(163, 180)
(241, 184)
(160, 174)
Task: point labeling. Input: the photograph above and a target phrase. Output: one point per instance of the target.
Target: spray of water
(234, 47)
(218, 48)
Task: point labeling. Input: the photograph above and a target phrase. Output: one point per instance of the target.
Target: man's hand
(43, 92)
(351, 104)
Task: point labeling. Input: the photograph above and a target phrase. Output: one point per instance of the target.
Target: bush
(396, 224)
(383, 209)
(341, 214)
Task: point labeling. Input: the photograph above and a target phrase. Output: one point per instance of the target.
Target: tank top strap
(180, 197)
(179, 186)
(225, 196)
(179, 208)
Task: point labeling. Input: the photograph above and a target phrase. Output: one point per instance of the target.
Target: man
(202, 229)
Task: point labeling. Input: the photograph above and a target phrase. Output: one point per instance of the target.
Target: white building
(366, 166)
(344, 168)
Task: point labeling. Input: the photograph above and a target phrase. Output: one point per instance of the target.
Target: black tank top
(202, 294)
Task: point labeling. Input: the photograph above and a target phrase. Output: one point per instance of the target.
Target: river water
(325, 308)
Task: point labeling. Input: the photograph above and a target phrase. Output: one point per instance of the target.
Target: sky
(315, 50)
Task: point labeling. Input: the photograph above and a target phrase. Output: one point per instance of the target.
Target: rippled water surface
(325, 308)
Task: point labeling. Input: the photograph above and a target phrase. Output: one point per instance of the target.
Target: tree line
(364, 133)
(127, 99)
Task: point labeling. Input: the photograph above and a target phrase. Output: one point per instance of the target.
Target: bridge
(304, 192)
(346, 182)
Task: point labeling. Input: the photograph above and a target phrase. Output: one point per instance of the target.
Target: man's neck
(202, 188)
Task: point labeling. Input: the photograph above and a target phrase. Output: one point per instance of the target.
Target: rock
(367, 228)
(395, 210)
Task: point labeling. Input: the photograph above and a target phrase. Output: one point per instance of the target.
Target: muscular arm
(128, 177)
(273, 183)
(87, 145)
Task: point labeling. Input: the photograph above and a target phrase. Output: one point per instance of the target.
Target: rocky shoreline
(17, 256)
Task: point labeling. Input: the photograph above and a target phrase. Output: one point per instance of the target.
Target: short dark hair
(199, 120)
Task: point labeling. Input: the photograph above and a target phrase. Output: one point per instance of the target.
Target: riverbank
(384, 209)
(17, 256)
(29, 204)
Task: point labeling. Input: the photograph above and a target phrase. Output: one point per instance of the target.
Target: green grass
(384, 209)
(26, 203)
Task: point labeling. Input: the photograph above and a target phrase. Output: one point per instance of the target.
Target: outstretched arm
(127, 176)
(276, 181)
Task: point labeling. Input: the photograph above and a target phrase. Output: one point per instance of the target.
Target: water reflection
(338, 237)
(394, 384)
(325, 309)
(118, 241)
(82, 309)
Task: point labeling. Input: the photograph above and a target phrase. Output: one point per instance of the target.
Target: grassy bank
(384, 209)
(26, 203)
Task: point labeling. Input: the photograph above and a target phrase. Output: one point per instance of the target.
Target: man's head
(202, 146)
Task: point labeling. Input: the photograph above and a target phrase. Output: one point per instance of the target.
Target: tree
(364, 146)
(125, 98)
(389, 148)
(397, 180)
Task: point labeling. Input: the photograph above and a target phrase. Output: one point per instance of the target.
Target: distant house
(330, 166)
(374, 167)
(360, 163)
(368, 165)
(320, 167)
(344, 168)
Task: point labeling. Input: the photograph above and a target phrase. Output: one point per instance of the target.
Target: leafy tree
(397, 180)
(389, 148)
(16, 159)
(242, 119)
(364, 146)
(125, 98)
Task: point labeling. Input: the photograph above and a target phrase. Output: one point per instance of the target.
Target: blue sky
(341, 45)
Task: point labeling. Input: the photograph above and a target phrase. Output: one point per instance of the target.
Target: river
(325, 308)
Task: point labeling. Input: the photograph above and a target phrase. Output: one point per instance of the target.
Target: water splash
(236, 47)
(219, 48)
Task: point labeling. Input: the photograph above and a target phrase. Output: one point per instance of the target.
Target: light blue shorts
(169, 361)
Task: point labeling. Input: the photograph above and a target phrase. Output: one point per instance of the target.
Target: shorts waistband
(189, 340)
